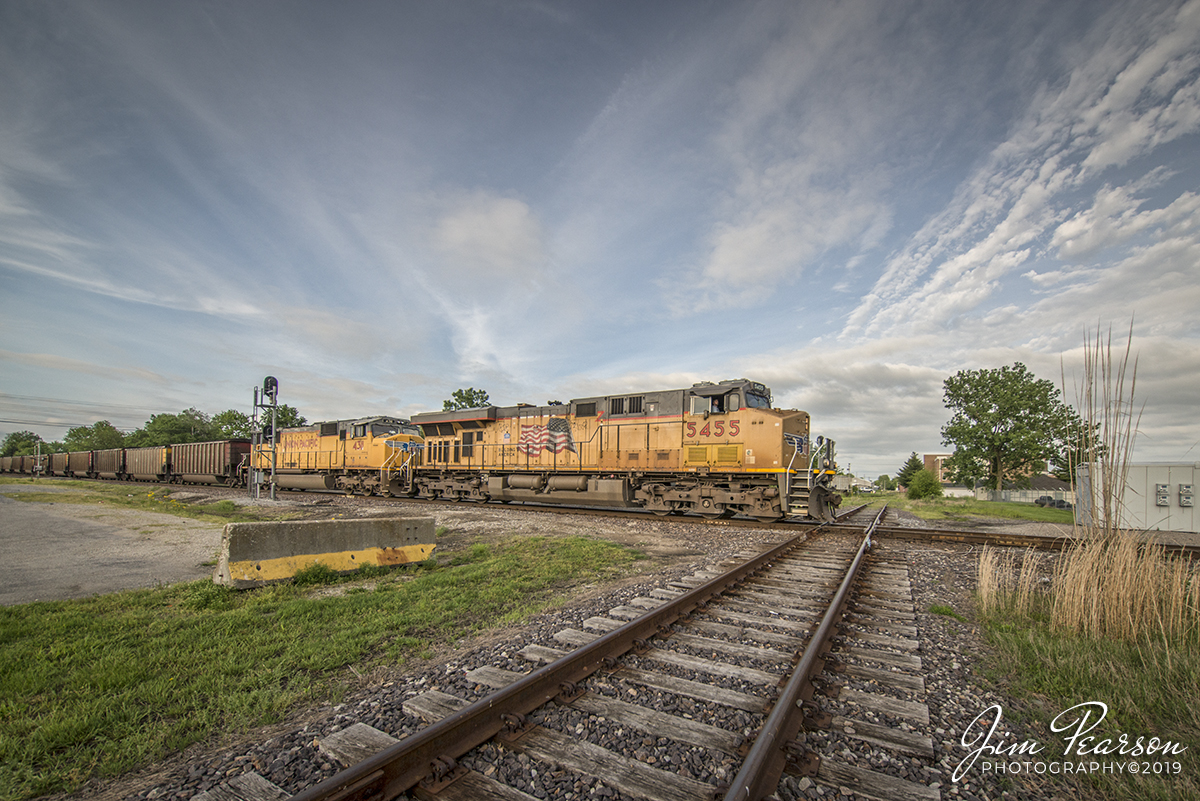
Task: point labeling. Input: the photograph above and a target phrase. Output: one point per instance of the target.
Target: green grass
(964, 508)
(143, 497)
(97, 687)
(1150, 687)
(946, 611)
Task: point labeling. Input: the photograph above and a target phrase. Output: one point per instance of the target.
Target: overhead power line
(89, 404)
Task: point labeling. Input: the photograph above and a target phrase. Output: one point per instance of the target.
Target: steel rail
(1002, 539)
(764, 763)
(431, 752)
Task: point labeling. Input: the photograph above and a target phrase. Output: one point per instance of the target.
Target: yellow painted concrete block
(253, 554)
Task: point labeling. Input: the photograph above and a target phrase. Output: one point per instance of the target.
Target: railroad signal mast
(263, 433)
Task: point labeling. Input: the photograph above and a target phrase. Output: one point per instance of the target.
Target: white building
(1158, 496)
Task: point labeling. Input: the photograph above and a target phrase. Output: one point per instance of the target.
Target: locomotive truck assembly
(714, 449)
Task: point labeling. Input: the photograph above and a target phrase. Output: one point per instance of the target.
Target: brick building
(936, 464)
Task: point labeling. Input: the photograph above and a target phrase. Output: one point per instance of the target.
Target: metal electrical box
(1159, 496)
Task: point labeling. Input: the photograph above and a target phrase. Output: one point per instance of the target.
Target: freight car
(58, 464)
(713, 449)
(369, 456)
(217, 462)
(220, 462)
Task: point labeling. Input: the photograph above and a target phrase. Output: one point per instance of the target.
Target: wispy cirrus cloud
(63, 363)
(1135, 89)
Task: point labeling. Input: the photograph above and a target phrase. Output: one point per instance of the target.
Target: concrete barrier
(253, 554)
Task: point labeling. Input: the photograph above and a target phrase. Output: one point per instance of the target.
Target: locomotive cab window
(384, 429)
(359, 431)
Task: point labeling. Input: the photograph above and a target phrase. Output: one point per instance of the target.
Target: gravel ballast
(952, 653)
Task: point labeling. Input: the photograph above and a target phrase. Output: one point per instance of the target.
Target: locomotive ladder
(390, 468)
(797, 484)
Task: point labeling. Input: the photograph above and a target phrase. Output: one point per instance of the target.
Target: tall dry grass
(1107, 435)
(1007, 582)
(1123, 588)
(1112, 583)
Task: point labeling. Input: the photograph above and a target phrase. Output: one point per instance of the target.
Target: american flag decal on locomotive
(554, 437)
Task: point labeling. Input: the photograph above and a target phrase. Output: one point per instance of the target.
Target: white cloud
(1102, 114)
(1114, 219)
(1165, 74)
(484, 237)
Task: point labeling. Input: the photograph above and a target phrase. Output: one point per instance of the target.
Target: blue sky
(379, 203)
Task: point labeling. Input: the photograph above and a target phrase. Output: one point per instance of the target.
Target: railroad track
(790, 669)
(923, 534)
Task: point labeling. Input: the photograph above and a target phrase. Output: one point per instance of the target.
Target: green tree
(885, 482)
(190, 425)
(231, 424)
(287, 417)
(1078, 449)
(20, 443)
(1006, 423)
(909, 469)
(924, 484)
(469, 398)
(99, 436)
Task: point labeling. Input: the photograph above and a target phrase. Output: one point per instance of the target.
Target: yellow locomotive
(713, 449)
(371, 455)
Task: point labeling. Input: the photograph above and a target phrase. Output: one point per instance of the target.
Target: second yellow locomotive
(371, 455)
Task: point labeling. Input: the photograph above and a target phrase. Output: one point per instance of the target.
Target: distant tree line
(190, 425)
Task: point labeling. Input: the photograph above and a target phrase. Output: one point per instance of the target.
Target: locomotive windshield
(392, 427)
(756, 401)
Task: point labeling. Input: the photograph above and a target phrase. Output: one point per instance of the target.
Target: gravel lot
(59, 551)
